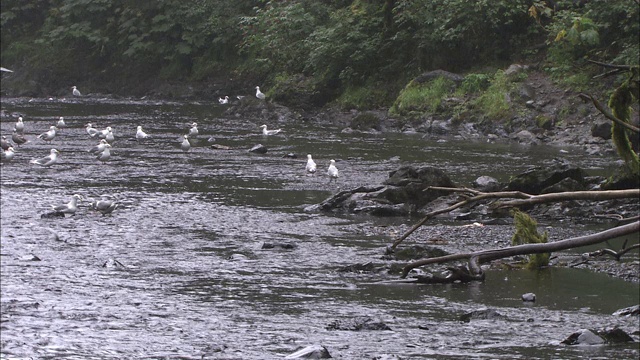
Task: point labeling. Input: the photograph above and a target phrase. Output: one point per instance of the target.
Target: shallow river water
(195, 281)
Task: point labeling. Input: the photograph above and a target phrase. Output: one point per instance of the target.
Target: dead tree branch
(484, 256)
(472, 196)
(571, 195)
(608, 114)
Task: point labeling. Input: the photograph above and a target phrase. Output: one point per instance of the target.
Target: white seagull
(269, 132)
(7, 155)
(193, 132)
(49, 135)
(105, 155)
(76, 92)
(259, 93)
(61, 124)
(141, 135)
(332, 171)
(91, 130)
(49, 160)
(99, 148)
(103, 133)
(223, 101)
(19, 125)
(18, 138)
(311, 165)
(69, 208)
(104, 206)
(185, 145)
(4, 143)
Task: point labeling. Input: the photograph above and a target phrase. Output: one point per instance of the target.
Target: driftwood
(472, 196)
(479, 257)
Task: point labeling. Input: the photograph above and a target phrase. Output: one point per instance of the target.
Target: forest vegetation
(353, 54)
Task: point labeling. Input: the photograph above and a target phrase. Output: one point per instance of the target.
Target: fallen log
(484, 256)
(472, 196)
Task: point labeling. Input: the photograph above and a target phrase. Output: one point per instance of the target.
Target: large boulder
(538, 179)
(402, 194)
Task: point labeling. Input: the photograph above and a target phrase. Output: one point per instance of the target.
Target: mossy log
(479, 257)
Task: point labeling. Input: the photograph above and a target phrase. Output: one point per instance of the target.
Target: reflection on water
(196, 281)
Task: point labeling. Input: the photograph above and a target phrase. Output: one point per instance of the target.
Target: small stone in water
(529, 297)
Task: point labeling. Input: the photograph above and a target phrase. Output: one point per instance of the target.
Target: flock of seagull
(103, 154)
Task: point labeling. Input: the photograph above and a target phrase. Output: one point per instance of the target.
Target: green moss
(544, 122)
(527, 233)
(421, 97)
(493, 102)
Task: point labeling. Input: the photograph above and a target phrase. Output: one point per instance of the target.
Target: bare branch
(494, 254)
(608, 114)
(613, 66)
(571, 195)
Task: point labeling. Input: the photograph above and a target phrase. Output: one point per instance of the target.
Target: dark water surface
(196, 282)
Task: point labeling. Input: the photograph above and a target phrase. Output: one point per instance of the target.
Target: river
(192, 279)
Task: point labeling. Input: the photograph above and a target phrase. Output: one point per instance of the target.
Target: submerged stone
(311, 352)
(357, 324)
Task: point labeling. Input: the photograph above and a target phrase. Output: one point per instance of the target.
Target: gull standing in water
(104, 206)
(69, 208)
(311, 165)
(93, 132)
(76, 92)
(46, 161)
(61, 124)
(269, 132)
(109, 136)
(332, 171)
(18, 138)
(141, 135)
(7, 155)
(105, 155)
(185, 145)
(223, 101)
(19, 127)
(259, 93)
(49, 135)
(193, 132)
(4, 143)
(99, 148)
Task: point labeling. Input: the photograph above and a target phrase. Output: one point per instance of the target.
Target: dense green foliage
(358, 53)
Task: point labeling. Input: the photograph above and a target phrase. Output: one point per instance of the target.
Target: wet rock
(566, 184)
(220, 147)
(440, 127)
(357, 324)
(415, 252)
(52, 215)
(311, 352)
(601, 130)
(529, 297)
(526, 137)
(259, 149)
(630, 311)
(615, 335)
(358, 268)
(527, 92)
(290, 156)
(534, 180)
(583, 337)
(483, 314)
(365, 122)
(486, 184)
(284, 246)
(401, 194)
